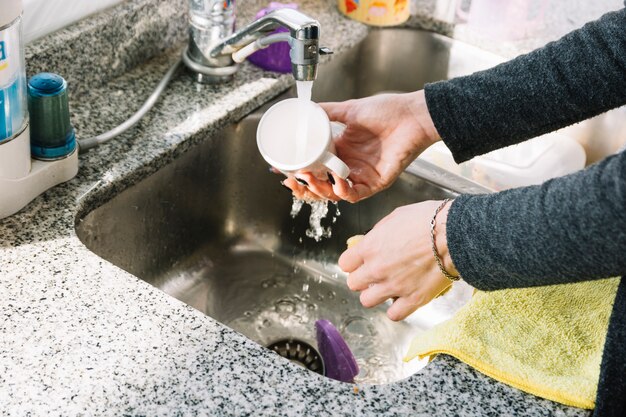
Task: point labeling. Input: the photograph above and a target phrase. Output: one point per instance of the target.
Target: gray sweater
(568, 229)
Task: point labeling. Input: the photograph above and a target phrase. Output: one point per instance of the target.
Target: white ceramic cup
(295, 135)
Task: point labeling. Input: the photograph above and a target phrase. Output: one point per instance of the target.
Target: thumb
(336, 112)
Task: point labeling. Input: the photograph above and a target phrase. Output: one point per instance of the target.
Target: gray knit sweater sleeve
(569, 229)
(581, 75)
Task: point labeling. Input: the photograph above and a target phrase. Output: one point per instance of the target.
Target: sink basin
(214, 229)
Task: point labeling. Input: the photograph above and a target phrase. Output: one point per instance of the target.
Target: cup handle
(336, 165)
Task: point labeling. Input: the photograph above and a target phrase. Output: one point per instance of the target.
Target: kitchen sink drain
(300, 353)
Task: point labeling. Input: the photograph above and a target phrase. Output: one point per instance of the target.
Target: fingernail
(331, 178)
(301, 181)
(270, 168)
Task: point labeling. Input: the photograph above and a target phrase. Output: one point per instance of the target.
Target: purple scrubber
(339, 361)
(276, 56)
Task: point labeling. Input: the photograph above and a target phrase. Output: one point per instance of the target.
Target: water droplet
(364, 372)
(268, 283)
(296, 206)
(320, 297)
(311, 307)
(375, 361)
(358, 326)
(267, 323)
(247, 313)
(285, 306)
(305, 287)
(331, 295)
(344, 301)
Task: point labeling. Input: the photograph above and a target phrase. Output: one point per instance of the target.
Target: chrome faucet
(215, 48)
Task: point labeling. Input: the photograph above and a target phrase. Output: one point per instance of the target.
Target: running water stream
(319, 209)
(304, 89)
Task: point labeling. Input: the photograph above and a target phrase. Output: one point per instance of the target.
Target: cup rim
(308, 162)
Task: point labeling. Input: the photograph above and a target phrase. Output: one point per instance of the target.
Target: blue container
(51, 133)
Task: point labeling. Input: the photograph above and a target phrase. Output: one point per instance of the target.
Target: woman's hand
(383, 135)
(395, 260)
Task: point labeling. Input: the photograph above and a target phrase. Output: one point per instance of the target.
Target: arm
(579, 76)
(568, 229)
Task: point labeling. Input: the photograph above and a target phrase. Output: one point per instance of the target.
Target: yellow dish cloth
(546, 341)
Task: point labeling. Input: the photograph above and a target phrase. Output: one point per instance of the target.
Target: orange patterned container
(376, 12)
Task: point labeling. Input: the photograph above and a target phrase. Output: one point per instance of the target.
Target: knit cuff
(447, 120)
(461, 241)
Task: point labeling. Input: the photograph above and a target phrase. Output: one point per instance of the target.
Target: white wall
(44, 16)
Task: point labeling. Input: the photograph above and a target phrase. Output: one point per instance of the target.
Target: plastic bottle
(13, 105)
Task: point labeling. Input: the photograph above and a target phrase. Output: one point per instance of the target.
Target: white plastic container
(21, 179)
(13, 107)
(14, 139)
(532, 162)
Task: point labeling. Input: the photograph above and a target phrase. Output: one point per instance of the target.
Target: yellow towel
(547, 341)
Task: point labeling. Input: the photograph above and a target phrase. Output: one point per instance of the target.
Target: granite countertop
(81, 336)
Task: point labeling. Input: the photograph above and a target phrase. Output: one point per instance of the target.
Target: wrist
(441, 241)
(420, 112)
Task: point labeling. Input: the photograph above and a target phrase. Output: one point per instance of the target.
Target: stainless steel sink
(214, 229)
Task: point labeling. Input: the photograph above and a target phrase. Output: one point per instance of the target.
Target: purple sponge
(339, 362)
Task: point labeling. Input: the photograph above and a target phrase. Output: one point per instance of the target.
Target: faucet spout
(210, 54)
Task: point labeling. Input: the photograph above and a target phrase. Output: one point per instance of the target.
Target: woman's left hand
(395, 260)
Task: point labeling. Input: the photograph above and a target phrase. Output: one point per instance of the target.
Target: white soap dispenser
(22, 178)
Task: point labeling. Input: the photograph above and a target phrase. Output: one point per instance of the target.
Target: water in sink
(284, 297)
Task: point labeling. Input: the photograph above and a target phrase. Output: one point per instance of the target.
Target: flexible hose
(88, 143)
(240, 55)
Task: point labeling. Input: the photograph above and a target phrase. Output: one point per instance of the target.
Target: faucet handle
(324, 50)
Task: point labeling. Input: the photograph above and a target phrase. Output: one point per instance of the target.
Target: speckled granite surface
(81, 337)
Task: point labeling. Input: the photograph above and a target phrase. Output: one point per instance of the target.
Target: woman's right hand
(383, 135)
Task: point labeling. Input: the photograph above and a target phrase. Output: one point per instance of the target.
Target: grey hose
(88, 143)
(273, 38)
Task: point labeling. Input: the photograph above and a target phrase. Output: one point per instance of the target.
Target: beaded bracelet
(434, 246)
